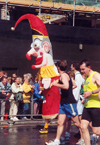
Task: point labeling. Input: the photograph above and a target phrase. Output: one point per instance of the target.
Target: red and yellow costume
(41, 48)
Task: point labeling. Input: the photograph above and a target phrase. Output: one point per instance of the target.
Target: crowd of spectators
(15, 96)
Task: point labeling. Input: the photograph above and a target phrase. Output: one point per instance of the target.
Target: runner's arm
(65, 81)
(74, 84)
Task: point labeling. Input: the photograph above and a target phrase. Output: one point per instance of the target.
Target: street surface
(28, 134)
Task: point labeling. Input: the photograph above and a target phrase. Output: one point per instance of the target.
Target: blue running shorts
(69, 109)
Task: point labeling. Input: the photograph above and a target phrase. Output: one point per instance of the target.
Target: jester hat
(36, 24)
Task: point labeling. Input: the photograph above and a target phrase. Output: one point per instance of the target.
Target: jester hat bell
(36, 24)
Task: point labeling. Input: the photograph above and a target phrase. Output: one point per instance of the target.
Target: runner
(91, 112)
(67, 104)
(76, 92)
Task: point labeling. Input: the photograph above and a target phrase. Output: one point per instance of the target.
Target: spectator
(5, 90)
(14, 75)
(1, 75)
(16, 90)
(5, 74)
(37, 96)
(21, 80)
(31, 82)
(27, 90)
(24, 76)
(9, 80)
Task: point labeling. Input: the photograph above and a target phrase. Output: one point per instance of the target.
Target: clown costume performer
(41, 48)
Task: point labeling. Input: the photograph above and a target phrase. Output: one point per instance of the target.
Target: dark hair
(36, 78)
(5, 73)
(76, 65)
(4, 77)
(87, 63)
(62, 64)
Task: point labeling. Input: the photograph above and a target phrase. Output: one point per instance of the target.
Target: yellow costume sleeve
(47, 72)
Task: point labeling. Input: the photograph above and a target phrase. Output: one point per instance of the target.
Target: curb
(33, 121)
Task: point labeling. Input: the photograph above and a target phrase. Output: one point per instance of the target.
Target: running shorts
(80, 107)
(69, 109)
(92, 115)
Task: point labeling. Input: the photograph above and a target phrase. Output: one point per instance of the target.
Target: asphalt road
(28, 134)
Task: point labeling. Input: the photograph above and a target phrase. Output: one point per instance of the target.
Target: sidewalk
(30, 121)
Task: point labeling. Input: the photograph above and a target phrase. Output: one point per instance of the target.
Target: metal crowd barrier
(18, 115)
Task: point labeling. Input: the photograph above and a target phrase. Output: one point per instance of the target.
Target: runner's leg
(85, 131)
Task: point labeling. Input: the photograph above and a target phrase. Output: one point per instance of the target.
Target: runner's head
(74, 66)
(62, 65)
(85, 67)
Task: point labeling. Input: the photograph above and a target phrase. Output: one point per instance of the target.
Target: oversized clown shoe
(41, 48)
